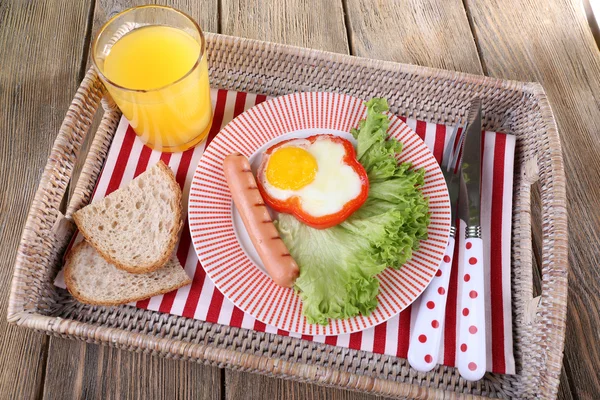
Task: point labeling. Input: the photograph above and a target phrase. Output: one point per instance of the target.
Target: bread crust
(175, 230)
(72, 287)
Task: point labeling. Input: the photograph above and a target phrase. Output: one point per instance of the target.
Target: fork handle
(471, 335)
(424, 345)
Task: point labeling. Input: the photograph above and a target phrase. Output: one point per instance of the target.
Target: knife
(471, 349)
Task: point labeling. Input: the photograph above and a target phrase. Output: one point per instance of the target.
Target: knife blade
(471, 167)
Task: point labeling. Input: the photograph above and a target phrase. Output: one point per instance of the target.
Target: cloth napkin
(201, 300)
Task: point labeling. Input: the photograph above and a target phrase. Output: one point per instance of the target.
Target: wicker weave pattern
(427, 94)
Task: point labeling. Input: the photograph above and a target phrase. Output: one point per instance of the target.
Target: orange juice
(159, 79)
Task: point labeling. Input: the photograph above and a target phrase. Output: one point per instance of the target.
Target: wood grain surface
(433, 33)
(205, 12)
(245, 386)
(41, 45)
(315, 24)
(86, 371)
(557, 49)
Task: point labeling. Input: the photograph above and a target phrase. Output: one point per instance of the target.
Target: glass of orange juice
(152, 60)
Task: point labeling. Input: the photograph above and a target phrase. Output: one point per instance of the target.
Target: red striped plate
(221, 241)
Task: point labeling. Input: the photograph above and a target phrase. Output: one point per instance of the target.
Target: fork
(424, 345)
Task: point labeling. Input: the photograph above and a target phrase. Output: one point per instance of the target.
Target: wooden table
(43, 56)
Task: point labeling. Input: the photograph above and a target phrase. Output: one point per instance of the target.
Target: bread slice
(92, 280)
(136, 227)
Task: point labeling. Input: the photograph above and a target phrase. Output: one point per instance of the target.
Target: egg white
(335, 182)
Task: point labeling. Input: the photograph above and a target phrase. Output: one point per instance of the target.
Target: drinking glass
(175, 116)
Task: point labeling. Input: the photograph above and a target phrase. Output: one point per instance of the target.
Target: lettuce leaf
(338, 266)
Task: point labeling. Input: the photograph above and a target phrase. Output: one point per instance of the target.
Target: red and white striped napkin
(128, 157)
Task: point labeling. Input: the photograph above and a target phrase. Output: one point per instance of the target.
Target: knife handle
(424, 345)
(471, 335)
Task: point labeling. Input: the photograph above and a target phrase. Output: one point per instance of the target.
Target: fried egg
(313, 171)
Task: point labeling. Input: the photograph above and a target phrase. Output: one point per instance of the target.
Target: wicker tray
(427, 94)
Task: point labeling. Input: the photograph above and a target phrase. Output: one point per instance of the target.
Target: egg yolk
(291, 168)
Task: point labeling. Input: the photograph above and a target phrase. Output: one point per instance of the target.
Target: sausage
(266, 240)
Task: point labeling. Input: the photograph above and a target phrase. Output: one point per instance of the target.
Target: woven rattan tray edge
(38, 245)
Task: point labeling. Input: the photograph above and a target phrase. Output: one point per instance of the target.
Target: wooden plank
(205, 12)
(86, 371)
(318, 25)
(90, 371)
(37, 80)
(431, 33)
(314, 24)
(564, 389)
(552, 43)
(245, 386)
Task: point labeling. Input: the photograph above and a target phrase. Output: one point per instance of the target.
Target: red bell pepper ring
(293, 206)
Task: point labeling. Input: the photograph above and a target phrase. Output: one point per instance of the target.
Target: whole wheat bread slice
(93, 280)
(136, 227)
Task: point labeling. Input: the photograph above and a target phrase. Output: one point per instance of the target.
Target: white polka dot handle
(471, 355)
(430, 307)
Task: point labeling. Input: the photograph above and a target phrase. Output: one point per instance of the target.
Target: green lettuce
(338, 265)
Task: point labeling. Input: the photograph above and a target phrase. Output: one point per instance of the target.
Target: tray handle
(40, 231)
(95, 158)
(544, 316)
